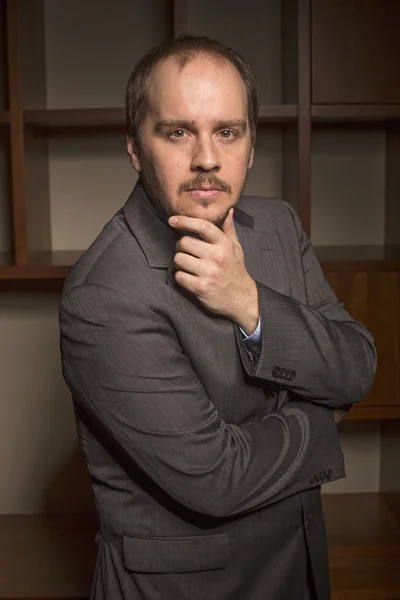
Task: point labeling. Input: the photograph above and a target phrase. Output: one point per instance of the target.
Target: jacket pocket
(176, 555)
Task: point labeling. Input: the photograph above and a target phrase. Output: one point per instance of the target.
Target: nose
(205, 156)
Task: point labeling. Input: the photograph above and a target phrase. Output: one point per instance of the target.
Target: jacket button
(312, 480)
(275, 371)
(329, 475)
(292, 375)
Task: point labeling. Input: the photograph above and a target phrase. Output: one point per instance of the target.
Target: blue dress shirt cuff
(253, 342)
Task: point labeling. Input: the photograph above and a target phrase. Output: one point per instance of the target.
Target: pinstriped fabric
(202, 459)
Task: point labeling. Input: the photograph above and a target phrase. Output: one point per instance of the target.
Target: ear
(131, 148)
(251, 158)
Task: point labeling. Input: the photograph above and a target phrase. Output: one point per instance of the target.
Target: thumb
(229, 229)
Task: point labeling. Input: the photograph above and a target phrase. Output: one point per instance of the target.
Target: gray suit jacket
(206, 464)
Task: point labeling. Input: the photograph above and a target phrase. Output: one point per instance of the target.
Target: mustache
(204, 180)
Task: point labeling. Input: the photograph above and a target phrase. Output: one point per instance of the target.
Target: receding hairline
(184, 57)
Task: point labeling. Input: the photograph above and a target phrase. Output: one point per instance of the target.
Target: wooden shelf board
(360, 525)
(75, 117)
(58, 258)
(115, 117)
(280, 113)
(355, 112)
(373, 412)
(50, 265)
(358, 258)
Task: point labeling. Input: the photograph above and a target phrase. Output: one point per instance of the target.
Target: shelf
(54, 119)
(75, 117)
(373, 412)
(53, 556)
(50, 265)
(281, 113)
(342, 113)
(358, 258)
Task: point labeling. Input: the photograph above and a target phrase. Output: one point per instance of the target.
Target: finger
(205, 229)
(187, 281)
(187, 263)
(193, 246)
(229, 228)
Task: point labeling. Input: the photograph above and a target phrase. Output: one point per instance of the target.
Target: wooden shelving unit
(328, 73)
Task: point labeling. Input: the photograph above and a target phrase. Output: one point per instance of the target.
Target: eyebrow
(161, 125)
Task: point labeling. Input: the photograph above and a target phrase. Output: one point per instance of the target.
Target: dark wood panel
(179, 17)
(75, 117)
(390, 466)
(358, 258)
(346, 516)
(374, 299)
(355, 52)
(342, 113)
(46, 556)
(3, 59)
(304, 122)
(4, 117)
(365, 578)
(360, 412)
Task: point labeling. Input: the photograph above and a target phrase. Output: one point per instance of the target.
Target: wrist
(248, 313)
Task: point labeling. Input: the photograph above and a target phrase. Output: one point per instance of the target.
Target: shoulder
(108, 259)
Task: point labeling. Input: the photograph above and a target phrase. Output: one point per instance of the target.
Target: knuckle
(219, 257)
(202, 288)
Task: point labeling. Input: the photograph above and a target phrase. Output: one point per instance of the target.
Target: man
(208, 359)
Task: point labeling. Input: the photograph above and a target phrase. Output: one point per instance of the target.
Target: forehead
(206, 87)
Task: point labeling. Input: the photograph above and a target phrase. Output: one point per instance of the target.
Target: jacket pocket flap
(176, 555)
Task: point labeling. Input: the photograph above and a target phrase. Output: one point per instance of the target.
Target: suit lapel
(262, 252)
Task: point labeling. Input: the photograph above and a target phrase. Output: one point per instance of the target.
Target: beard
(158, 197)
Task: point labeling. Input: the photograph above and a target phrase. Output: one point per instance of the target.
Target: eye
(177, 134)
(228, 134)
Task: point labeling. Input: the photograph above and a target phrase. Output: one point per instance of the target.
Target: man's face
(195, 147)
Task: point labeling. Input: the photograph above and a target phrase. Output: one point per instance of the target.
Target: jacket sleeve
(126, 369)
(316, 350)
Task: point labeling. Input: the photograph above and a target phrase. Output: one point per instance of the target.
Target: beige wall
(90, 178)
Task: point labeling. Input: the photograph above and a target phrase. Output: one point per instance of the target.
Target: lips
(205, 192)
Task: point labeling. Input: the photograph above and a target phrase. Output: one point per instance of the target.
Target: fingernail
(173, 220)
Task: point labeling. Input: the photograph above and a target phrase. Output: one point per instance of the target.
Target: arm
(332, 356)
(125, 367)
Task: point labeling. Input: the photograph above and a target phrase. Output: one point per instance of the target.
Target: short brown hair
(185, 48)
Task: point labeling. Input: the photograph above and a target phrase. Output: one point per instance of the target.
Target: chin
(215, 216)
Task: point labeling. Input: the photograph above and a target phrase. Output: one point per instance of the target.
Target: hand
(340, 413)
(213, 269)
